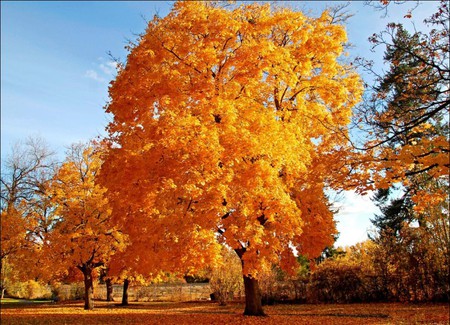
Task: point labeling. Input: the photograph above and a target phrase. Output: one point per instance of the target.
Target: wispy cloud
(94, 76)
(109, 68)
(103, 71)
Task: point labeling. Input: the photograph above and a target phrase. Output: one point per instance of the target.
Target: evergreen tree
(401, 98)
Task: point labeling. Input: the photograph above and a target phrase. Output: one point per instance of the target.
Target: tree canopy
(228, 124)
(84, 236)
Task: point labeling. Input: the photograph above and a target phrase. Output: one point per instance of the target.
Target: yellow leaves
(194, 313)
(169, 184)
(85, 233)
(426, 200)
(13, 232)
(238, 98)
(150, 53)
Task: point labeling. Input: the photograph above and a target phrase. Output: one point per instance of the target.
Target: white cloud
(94, 75)
(103, 71)
(109, 68)
(353, 218)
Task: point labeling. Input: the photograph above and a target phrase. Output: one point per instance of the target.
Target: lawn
(16, 312)
(13, 302)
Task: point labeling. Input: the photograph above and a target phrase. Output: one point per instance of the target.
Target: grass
(210, 313)
(9, 302)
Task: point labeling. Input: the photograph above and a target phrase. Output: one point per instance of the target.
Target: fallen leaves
(211, 313)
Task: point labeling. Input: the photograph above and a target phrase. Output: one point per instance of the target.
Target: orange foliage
(229, 123)
(13, 232)
(84, 234)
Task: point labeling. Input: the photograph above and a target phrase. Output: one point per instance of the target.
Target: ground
(27, 312)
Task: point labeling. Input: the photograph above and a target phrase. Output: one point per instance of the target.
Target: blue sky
(55, 71)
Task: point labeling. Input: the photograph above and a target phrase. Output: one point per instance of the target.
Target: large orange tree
(228, 123)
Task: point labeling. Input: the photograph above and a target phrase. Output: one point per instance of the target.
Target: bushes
(35, 290)
(343, 281)
(414, 268)
(29, 290)
(274, 286)
(389, 270)
(226, 279)
(336, 281)
(409, 270)
(73, 291)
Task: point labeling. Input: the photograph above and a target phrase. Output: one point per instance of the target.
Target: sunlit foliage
(84, 237)
(225, 126)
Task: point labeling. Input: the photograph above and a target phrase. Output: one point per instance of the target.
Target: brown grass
(210, 313)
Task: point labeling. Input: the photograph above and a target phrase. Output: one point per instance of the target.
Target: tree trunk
(2, 278)
(253, 305)
(109, 290)
(126, 283)
(88, 288)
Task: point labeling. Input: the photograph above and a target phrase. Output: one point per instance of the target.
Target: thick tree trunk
(253, 305)
(109, 290)
(3, 293)
(88, 288)
(126, 283)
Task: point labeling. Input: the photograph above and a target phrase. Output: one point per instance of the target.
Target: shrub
(275, 287)
(226, 279)
(29, 290)
(73, 291)
(336, 281)
(144, 293)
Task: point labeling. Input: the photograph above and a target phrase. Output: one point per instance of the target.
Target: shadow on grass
(336, 315)
(152, 305)
(23, 303)
(181, 308)
(204, 307)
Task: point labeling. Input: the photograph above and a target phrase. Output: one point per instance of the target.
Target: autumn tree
(13, 235)
(413, 245)
(229, 122)
(408, 112)
(408, 150)
(123, 268)
(24, 206)
(84, 237)
(408, 109)
(7, 276)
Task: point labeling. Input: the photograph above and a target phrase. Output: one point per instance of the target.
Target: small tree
(84, 236)
(25, 213)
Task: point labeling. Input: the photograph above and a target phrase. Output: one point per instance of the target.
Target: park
(209, 198)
